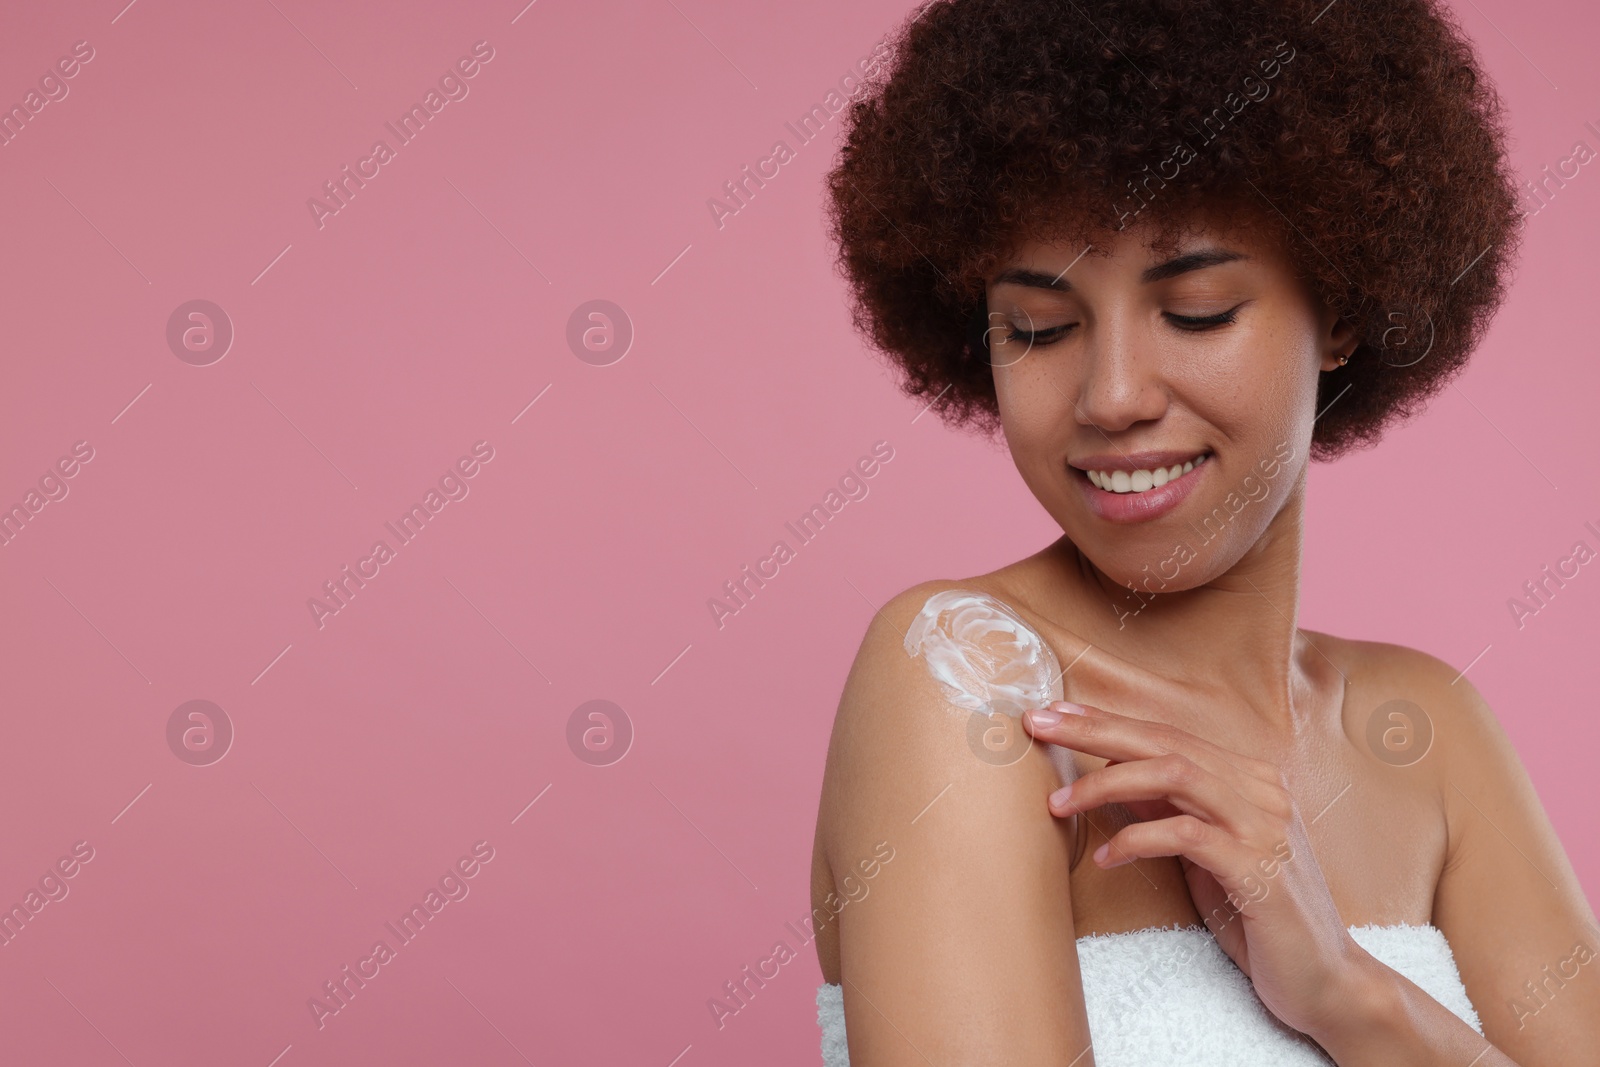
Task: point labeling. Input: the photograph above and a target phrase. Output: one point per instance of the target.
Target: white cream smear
(987, 659)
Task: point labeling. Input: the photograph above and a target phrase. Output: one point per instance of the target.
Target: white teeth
(1141, 480)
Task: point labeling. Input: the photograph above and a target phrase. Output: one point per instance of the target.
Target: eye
(1038, 338)
(1198, 323)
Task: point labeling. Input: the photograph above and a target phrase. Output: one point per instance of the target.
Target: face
(1159, 404)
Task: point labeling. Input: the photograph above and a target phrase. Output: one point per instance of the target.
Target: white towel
(1170, 995)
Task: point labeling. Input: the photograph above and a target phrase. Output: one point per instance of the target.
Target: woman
(1173, 251)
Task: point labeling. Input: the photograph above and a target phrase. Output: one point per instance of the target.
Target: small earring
(1343, 360)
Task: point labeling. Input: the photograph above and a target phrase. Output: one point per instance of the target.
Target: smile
(1144, 479)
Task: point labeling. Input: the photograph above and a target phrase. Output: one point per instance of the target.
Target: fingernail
(1069, 707)
(1102, 852)
(1058, 799)
(1045, 716)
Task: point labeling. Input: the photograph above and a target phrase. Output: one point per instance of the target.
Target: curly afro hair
(1367, 137)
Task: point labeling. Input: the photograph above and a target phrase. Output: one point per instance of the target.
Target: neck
(1235, 635)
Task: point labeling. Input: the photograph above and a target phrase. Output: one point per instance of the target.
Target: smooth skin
(1226, 772)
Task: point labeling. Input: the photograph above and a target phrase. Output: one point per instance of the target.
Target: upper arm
(962, 949)
(1508, 900)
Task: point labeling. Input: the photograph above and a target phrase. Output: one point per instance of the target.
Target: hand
(1235, 829)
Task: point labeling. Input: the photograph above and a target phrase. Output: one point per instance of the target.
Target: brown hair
(1367, 137)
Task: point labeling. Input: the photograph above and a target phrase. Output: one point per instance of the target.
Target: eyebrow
(1190, 261)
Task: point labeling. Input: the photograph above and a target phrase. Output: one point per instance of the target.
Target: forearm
(1385, 1019)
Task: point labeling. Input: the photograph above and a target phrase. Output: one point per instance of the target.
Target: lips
(1138, 486)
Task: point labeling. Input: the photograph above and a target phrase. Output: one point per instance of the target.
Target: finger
(1120, 737)
(1184, 835)
(1098, 732)
(1172, 777)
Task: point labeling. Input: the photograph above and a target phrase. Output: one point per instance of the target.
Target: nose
(1121, 381)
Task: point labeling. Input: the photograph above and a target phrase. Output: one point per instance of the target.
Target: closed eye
(1187, 323)
(1038, 337)
(1196, 323)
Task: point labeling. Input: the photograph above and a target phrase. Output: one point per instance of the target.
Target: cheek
(1263, 390)
(1034, 411)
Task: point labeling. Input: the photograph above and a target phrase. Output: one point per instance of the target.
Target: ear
(1338, 338)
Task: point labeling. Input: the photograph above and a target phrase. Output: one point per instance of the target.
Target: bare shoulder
(962, 901)
(1420, 692)
(1507, 898)
(896, 723)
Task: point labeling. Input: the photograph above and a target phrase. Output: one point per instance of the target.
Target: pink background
(371, 353)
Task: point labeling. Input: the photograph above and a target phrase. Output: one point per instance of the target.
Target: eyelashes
(1186, 323)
